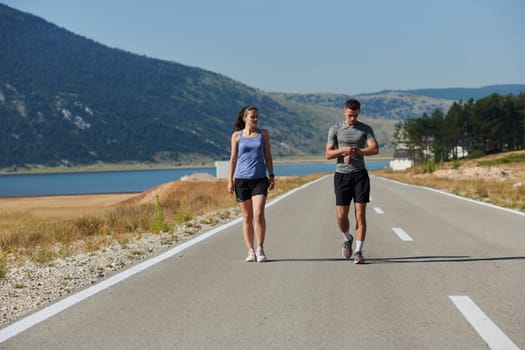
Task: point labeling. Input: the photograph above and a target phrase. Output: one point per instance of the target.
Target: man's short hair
(352, 104)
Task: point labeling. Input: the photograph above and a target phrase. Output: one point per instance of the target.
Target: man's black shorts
(246, 188)
(354, 186)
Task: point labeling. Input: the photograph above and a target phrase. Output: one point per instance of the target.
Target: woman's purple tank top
(250, 159)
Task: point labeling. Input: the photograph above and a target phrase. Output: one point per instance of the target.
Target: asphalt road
(441, 273)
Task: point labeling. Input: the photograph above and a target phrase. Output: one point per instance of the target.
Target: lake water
(16, 185)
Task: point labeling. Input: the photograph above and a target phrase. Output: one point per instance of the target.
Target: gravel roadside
(29, 286)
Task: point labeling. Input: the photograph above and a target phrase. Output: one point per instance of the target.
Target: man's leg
(342, 217)
(343, 195)
(360, 232)
(362, 196)
(344, 225)
(360, 225)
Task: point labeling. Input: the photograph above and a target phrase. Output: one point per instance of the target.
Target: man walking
(349, 141)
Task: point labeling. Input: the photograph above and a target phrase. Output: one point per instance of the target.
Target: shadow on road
(407, 259)
(439, 259)
(305, 260)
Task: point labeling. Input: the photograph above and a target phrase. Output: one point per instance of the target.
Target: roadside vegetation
(497, 179)
(158, 210)
(487, 126)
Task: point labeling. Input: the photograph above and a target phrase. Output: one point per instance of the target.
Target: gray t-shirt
(357, 135)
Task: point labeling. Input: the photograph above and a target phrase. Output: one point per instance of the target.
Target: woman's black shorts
(354, 186)
(246, 188)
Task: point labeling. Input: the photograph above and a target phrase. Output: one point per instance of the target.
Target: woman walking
(249, 160)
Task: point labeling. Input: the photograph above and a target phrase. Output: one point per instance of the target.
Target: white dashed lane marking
(379, 210)
(402, 234)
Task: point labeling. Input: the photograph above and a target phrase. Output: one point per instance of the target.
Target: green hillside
(65, 99)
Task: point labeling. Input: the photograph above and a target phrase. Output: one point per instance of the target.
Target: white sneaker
(358, 258)
(251, 256)
(260, 255)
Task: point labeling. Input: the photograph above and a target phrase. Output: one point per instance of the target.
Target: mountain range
(66, 99)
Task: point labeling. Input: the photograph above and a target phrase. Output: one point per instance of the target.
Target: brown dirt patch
(476, 173)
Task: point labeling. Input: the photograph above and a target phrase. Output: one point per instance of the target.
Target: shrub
(430, 166)
(88, 226)
(159, 225)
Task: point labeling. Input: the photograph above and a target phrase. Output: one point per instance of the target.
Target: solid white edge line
(490, 205)
(402, 234)
(53, 309)
(484, 326)
(63, 304)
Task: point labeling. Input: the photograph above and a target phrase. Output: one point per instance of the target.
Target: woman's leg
(247, 223)
(259, 202)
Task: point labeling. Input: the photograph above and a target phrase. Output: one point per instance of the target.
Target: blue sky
(313, 46)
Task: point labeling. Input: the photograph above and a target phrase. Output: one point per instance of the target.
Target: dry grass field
(44, 228)
(497, 179)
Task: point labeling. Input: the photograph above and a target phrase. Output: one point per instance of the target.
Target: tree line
(489, 125)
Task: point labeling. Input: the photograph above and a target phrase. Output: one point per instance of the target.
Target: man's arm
(370, 149)
(331, 152)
